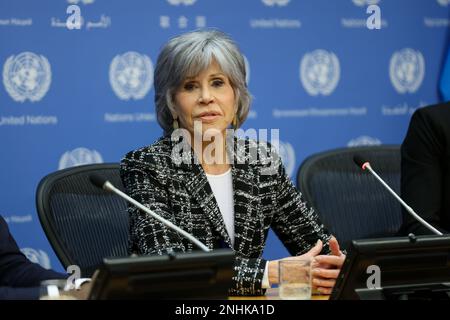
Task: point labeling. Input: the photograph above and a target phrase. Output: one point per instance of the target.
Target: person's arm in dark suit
(421, 171)
(19, 277)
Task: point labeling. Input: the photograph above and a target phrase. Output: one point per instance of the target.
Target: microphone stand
(367, 166)
(108, 186)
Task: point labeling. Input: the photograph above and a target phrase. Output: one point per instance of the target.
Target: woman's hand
(273, 265)
(326, 268)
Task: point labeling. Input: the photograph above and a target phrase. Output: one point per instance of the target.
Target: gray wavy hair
(186, 56)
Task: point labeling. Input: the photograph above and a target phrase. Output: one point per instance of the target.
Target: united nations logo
(363, 3)
(78, 157)
(406, 70)
(37, 256)
(287, 154)
(363, 141)
(271, 3)
(131, 75)
(444, 3)
(319, 72)
(27, 76)
(178, 2)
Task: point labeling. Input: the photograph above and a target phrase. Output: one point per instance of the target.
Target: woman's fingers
(325, 273)
(323, 290)
(331, 260)
(314, 250)
(327, 283)
(334, 247)
(323, 266)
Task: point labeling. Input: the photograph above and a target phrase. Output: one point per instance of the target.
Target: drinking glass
(295, 279)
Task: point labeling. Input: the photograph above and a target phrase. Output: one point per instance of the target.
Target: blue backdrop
(316, 71)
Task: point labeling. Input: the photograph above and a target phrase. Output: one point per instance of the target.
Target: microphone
(104, 184)
(365, 165)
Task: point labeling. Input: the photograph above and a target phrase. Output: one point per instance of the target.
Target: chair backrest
(350, 202)
(83, 223)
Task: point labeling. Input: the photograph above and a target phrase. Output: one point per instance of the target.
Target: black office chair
(349, 201)
(83, 223)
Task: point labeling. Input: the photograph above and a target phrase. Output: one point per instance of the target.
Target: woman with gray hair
(225, 191)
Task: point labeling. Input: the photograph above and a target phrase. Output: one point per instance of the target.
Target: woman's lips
(208, 117)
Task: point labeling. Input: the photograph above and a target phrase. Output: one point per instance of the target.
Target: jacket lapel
(198, 187)
(246, 199)
(245, 195)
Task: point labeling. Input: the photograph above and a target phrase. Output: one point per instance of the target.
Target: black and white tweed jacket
(180, 192)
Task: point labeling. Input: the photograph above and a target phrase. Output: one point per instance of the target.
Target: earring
(235, 121)
(175, 124)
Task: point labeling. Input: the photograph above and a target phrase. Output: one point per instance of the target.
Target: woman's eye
(189, 86)
(218, 83)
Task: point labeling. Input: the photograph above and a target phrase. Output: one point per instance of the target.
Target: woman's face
(207, 98)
